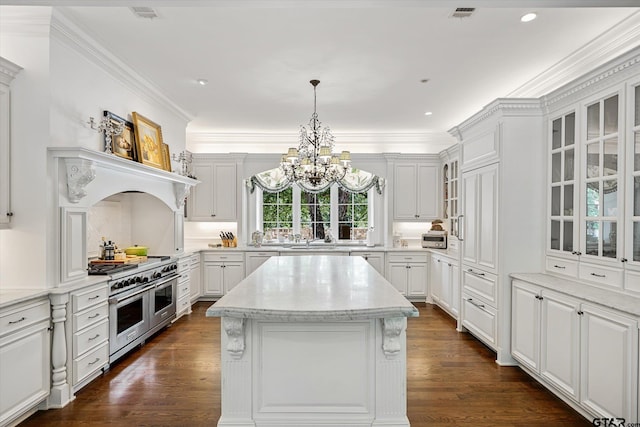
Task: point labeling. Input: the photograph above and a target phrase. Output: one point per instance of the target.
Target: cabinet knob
(9, 213)
(417, 216)
(580, 312)
(624, 260)
(213, 214)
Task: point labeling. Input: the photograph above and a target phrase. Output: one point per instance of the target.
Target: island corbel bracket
(80, 172)
(391, 330)
(234, 327)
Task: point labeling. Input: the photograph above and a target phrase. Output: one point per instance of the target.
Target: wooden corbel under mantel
(84, 166)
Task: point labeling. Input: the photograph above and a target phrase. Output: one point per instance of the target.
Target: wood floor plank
(174, 380)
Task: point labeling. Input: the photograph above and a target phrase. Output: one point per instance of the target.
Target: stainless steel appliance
(142, 301)
(434, 239)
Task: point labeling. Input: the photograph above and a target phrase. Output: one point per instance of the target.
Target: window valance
(354, 181)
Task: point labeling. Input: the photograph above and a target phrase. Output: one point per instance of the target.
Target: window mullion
(296, 209)
(333, 216)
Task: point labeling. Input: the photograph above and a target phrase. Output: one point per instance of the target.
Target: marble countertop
(301, 248)
(312, 288)
(603, 297)
(10, 296)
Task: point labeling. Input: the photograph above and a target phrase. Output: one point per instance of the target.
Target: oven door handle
(166, 280)
(116, 299)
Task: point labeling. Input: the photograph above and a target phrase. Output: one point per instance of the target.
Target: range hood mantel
(92, 175)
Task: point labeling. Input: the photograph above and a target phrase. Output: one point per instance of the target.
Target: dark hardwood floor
(174, 380)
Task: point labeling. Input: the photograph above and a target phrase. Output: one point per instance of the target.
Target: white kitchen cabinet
(480, 207)
(183, 292)
(502, 193)
(25, 367)
(254, 260)
(587, 353)
(221, 272)
(444, 283)
(415, 191)
(407, 272)
(8, 71)
(608, 360)
(593, 208)
(195, 280)
(375, 259)
(89, 343)
(215, 198)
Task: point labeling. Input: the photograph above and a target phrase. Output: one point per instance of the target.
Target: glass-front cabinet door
(563, 238)
(632, 252)
(601, 173)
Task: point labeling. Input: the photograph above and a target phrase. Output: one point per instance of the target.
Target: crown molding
(67, 32)
(612, 73)
(331, 3)
(264, 138)
(8, 70)
(25, 22)
(506, 107)
(613, 43)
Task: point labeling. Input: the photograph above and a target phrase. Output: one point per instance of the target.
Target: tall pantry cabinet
(501, 222)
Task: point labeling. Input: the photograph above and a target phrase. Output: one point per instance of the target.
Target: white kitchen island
(313, 341)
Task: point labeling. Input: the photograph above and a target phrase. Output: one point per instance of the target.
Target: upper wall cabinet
(216, 197)
(8, 71)
(415, 191)
(593, 210)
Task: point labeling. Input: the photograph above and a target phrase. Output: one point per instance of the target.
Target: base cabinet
(25, 368)
(195, 277)
(221, 273)
(408, 273)
(253, 260)
(444, 281)
(583, 352)
(183, 293)
(375, 259)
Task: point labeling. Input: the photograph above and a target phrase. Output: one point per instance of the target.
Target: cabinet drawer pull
(13, 322)
(93, 338)
(562, 267)
(94, 362)
(92, 298)
(599, 275)
(475, 273)
(475, 303)
(94, 316)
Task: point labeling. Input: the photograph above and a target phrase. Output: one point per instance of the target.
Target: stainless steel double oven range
(142, 300)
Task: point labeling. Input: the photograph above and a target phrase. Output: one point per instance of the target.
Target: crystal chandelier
(313, 164)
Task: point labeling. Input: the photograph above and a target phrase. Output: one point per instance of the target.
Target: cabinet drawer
(183, 304)
(90, 362)
(396, 257)
(89, 317)
(23, 315)
(481, 284)
(183, 276)
(87, 297)
(562, 266)
(606, 276)
(89, 338)
(223, 257)
(195, 259)
(480, 319)
(184, 289)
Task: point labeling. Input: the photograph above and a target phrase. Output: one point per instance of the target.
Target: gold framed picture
(166, 157)
(148, 141)
(123, 145)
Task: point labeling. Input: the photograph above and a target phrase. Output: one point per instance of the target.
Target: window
(353, 215)
(277, 212)
(294, 212)
(315, 215)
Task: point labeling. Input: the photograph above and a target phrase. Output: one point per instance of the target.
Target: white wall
(60, 86)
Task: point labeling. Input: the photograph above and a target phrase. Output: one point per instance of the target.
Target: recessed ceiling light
(428, 113)
(528, 17)
(202, 82)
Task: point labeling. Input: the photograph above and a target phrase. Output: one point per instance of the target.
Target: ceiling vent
(144, 12)
(463, 12)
